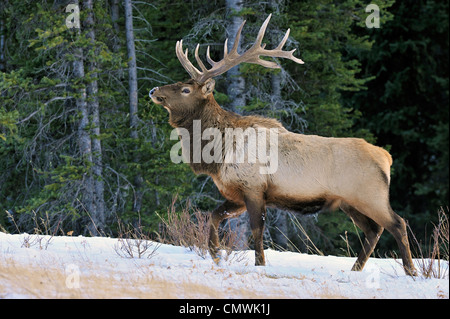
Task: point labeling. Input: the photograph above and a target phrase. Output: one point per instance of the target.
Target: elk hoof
(411, 272)
(217, 258)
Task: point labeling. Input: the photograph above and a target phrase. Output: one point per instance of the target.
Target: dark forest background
(82, 145)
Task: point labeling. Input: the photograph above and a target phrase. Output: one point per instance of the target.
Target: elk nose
(153, 91)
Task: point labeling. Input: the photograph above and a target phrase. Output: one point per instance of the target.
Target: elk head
(188, 97)
(180, 99)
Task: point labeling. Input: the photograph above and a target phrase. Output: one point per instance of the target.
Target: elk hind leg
(397, 227)
(384, 216)
(372, 232)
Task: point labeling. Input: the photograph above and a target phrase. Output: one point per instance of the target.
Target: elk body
(312, 172)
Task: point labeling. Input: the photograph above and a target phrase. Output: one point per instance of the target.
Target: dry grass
(50, 279)
(186, 229)
(133, 242)
(41, 282)
(432, 258)
(190, 228)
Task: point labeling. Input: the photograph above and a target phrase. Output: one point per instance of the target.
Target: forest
(83, 148)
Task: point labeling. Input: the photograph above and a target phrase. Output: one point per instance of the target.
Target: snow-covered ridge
(36, 266)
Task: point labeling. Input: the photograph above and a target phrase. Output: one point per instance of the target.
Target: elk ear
(208, 87)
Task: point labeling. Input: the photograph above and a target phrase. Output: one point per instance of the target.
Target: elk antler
(233, 58)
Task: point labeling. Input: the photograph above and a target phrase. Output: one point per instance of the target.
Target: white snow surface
(38, 266)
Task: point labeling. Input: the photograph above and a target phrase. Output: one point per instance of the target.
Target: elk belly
(304, 205)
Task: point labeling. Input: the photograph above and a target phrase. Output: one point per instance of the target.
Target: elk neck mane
(212, 115)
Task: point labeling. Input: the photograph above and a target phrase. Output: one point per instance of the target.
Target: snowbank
(33, 266)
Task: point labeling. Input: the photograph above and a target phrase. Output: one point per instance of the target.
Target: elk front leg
(226, 210)
(257, 211)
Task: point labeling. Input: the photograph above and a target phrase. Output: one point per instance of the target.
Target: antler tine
(225, 48)
(237, 39)
(261, 32)
(184, 60)
(208, 58)
(197, 58)
(277, 52)
(287, 54)
(290, 56)
(286, 36)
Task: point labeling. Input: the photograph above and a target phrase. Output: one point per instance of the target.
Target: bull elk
(313, 172)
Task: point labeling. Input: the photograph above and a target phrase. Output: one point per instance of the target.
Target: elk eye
(185, 90)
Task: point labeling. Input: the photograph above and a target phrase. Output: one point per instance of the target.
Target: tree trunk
(114, 19)
(276, 86)
(235, 91)
(2, 40)
(98, 215)
(240, 226)
(2, 45)
(133, 97)
(236, 82)
(132, 71)
(84, 140)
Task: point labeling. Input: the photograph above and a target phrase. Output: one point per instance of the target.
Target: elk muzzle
(158, 99)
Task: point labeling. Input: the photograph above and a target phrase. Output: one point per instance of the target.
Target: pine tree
(58, 110)
(406, 105)
(133, 94)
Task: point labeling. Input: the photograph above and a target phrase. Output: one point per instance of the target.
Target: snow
(37, 266)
